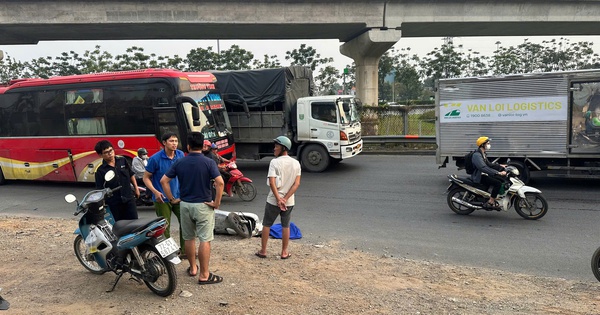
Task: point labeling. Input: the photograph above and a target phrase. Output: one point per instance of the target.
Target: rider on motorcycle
(486, 172)
(138, 165)
(221, 162)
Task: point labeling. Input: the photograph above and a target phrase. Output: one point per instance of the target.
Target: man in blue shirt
(195, 173)
(157, 166)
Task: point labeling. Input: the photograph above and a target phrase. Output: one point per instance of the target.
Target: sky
(326, 48)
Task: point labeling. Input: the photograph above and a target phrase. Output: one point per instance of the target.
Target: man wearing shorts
(195, 173)
(284, 180)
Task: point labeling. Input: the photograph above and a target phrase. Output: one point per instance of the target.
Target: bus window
(83, 116)
(23, 115)
(87, 126)
(52, 113)
(84, 96)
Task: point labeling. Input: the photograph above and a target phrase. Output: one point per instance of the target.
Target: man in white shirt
(284, 180)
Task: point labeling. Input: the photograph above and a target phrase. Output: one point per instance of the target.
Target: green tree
(201, 59)
(444, 62)
(327, 81)
(234, 58)
(133, 58)
(95, 61)
(306, 56)
(267, 62)
(11, 69)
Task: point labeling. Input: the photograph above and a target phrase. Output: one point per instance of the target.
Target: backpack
(469, 166)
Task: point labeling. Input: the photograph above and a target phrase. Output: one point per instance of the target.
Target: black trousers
(124, 210)
(494, 182)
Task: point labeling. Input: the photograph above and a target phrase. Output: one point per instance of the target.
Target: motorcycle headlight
(513, 170)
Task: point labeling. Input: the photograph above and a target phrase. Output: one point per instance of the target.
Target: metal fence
(400, 120)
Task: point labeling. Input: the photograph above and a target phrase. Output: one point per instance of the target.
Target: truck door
(585, 117)
(324, 125)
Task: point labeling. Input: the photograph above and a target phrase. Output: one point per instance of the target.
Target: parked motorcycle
(137, 247)
(465, 196)
(239, 184)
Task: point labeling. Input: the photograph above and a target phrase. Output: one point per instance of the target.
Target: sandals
(189, 271)
(491, 206)
(212, 279)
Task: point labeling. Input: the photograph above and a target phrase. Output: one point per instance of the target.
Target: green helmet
(284, 141)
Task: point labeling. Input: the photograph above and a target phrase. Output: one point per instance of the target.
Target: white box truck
(540, 122)
(265, 103)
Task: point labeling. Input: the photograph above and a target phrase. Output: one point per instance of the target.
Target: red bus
(48, 127)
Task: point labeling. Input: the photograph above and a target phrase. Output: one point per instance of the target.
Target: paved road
(396, 206)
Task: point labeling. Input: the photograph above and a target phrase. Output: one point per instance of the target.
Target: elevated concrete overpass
(367, 28)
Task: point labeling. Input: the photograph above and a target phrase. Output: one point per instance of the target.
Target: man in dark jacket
(122, 202)
(486, 172)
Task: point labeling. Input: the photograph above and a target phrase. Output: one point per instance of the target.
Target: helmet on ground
(284, 141)
(142, 151)
(482, 140)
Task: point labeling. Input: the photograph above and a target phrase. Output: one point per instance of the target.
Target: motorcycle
(145, 199)
(137, 247)
(243, 224)
(238, 183)
(464, 196)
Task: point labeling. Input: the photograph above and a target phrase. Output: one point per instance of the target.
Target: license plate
(167, 247)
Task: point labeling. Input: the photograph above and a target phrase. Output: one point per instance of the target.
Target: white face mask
(488, 146)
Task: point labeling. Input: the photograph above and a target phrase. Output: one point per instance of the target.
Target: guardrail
(399, 139)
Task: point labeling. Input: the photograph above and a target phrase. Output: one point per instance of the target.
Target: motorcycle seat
(468, 181)
(124, 227)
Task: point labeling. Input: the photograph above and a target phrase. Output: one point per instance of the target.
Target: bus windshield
(215, 122)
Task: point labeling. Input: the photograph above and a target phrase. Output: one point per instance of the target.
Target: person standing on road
(284, 180)
(157, 166)
(122, 202)
(195, 173)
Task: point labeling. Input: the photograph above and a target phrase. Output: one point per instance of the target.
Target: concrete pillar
(366, 49)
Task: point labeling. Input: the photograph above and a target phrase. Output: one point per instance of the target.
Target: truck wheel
(315, 158)
(524, 175)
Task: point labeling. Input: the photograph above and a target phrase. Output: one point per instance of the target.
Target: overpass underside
(367, 28)
(32, 33)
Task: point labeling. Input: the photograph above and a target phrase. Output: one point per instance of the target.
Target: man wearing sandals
(195, 172)
(486, 172)
(284, 179)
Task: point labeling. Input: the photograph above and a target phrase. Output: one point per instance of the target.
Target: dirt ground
(39, 274)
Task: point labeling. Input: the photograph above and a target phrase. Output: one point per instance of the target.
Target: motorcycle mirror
(109, 175)
(70, 198)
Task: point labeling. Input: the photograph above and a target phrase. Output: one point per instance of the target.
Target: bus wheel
(2, 179)
(315, 158)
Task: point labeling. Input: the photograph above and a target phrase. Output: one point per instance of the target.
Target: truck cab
(328, 130)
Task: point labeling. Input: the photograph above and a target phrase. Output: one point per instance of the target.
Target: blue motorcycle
(137, 247)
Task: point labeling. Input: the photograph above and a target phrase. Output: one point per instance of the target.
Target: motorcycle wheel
(596, 264)
(89, 262)
(533, 208)
(241, 228)
(246, 192)
(161, 277)
(458, 208)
